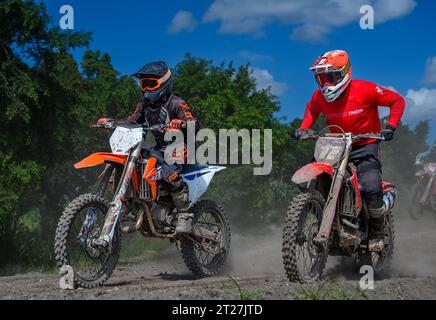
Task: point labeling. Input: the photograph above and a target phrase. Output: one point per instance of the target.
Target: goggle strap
(165, 77)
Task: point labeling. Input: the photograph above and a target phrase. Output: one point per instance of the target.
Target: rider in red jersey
(353, 106)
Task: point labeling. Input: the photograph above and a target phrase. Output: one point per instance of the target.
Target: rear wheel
(303, 260)
(381, 261)
(80, 224)
(202, 256)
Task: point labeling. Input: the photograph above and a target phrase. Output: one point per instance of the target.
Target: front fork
(91, 215)
(329, 211)
(114, 212)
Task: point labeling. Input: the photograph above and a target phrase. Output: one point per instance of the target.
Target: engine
(346, 203)
(163, 217)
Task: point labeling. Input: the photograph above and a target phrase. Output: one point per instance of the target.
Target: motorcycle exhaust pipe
(136, 226)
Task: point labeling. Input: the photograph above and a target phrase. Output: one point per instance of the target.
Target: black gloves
(388, 133)
(297, 133)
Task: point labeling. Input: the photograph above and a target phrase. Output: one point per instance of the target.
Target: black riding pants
(366, 159)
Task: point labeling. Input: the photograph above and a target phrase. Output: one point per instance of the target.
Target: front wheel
(202, 256)
(416, 209)
(303, 260)
(80, 224)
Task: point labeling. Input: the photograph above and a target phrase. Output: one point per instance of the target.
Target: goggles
(328, 75)
(329, 79)
(151, 84)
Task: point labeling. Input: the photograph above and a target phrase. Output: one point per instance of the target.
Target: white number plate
(124, 139)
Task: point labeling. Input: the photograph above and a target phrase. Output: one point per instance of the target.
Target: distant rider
(428, 156)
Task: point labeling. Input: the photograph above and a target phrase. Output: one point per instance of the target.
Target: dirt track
(256, 264)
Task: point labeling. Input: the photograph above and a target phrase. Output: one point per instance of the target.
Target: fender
(98, 158)
(311, 171)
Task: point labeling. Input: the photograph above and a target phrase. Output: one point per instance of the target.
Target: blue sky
(279, 38)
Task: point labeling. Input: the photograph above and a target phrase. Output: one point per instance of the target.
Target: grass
(244, 294)
(329, 290)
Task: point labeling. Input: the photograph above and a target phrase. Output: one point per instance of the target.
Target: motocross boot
(183, 204)
(376, 234)
(377, 211)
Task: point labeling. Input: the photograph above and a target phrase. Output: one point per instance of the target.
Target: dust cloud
(259, 253)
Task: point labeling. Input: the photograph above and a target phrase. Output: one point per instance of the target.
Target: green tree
(226, 97)
(46, 107)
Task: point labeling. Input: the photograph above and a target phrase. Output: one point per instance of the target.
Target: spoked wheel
(205, 257)
(381, 261)
(304, 261)
(416, 209)
(79, 225)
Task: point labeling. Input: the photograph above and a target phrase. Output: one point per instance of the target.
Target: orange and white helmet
(333, 73)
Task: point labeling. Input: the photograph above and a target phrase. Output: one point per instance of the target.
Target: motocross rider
(353, 105)
(428, 156)
(160, 106)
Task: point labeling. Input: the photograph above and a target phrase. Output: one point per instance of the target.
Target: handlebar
(155, 128)
(312, 135)
(369, 136)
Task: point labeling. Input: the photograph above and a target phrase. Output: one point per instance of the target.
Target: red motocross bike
(329, 216)
(424, 191)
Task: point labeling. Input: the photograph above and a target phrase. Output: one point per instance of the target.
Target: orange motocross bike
(88, 235)
(329, 216)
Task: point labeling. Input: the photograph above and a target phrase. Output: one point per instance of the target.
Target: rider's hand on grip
(177, 124)
(302, 134)
(388, 133)
(105, 124)
(297, 133)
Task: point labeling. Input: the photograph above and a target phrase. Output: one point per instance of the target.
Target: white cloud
(312, 20)
(430, 71)
(386, 10)
(254, 56)
(265, 80)
(182, 21)
(421, 105)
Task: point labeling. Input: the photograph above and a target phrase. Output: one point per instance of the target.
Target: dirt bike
(424, 192)
(329, 216)
(88, 235)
